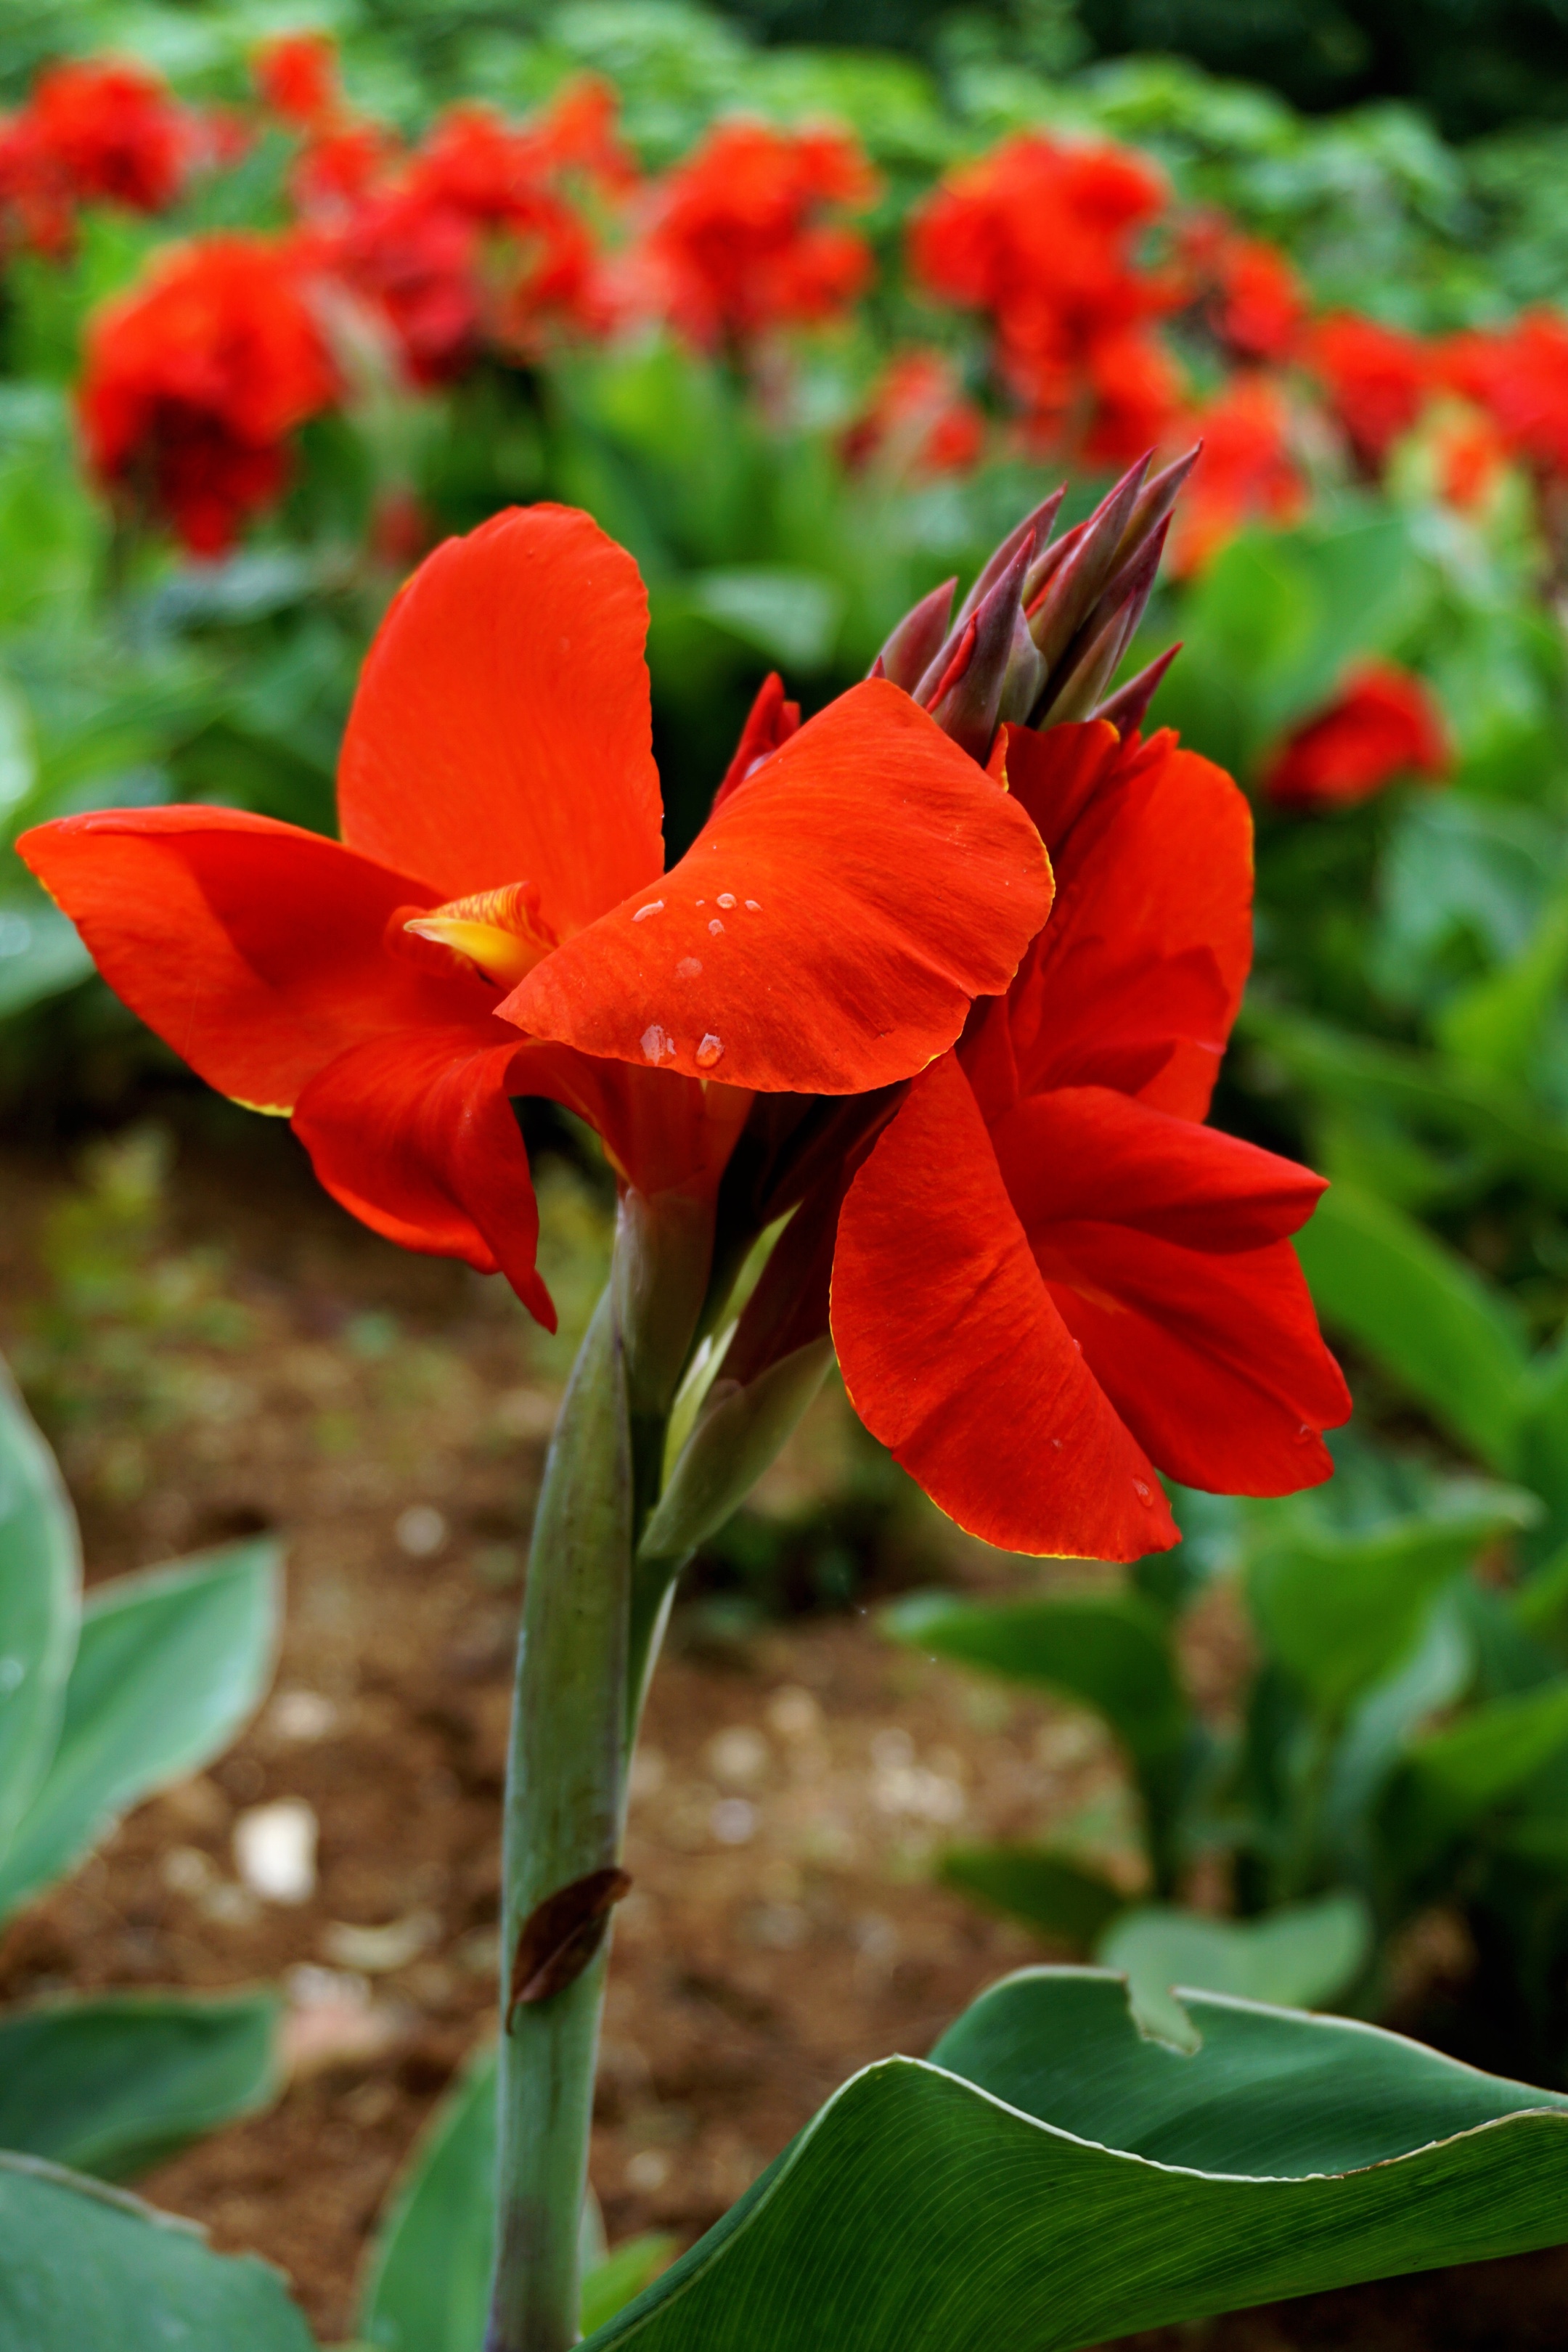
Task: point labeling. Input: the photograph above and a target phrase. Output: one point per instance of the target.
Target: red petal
(956, 1358)
(1086, 1151)
(501, 730)
(1162, 1244)
(252, 948)
(770, 722)
(1137, 978)
(415, 1136)
(829, 928)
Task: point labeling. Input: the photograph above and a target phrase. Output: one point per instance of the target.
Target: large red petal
(415, 1135)
(1162, 1243)
(828, 930)
(955, 1356)
(1137, 978)
(252, 948)
(501, 730)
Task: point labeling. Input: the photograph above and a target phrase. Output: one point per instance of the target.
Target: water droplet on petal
(1304, 1433)
(1145, 1494)
(708, 1051)
(715, 927)
(1058, 1444)
(654, 1043)
(726, 897)
(688, 968)
(699, 902)
(753, 906)
(654, 907)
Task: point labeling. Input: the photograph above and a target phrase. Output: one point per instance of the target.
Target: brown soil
(388, 1416)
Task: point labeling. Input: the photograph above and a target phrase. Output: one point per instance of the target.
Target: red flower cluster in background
(739, 237)
(918, 421)
(297, 78)
(1246, 473)
(95, 132)
(1377, 379)
(196, 380)
(1041, 236)
(1253, 301)
(1518, 376)
(1383, 725)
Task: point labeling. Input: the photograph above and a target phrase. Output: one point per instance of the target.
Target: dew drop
(699, 902)
(715, 927)
(1058, 1444)
(1303, 1434)
(654, 907)
(688, 968)
(726, 898)
(1145, 1494)
(753, 906)
(654, 1043)
(708, 1051)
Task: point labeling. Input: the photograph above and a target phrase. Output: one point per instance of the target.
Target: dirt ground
(217, 1349)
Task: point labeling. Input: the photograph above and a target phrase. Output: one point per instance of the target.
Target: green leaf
(1049, 1891)
(1050, 2178)
(1423, 1314)
(429, 2283)
(1338, 1610)
(1497, 1022)
(115, 2085)
(790, 617)
(171, 1663)
(1303, 1955)
(1112, 1651)
(41, 1579)
(41, 955)
(1489, 1754)
(82, 2266)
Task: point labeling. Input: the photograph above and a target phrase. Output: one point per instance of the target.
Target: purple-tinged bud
(1156, 498)
(1059, 610)
(1035, 528)
(1090, 662)
(1129, 706)
(908, 652)
(965, 707)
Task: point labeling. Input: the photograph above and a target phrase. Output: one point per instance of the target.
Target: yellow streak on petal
(505, 957)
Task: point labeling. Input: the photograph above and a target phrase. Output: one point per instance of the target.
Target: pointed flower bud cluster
(1040, 635)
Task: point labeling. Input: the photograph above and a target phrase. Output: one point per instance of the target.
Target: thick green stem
(565, 1811)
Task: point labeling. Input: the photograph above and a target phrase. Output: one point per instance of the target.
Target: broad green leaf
(1301, 1956)
(430, 2281)
(1112, 1651)
(1050, 2180)
(1543, 1445)
(40, 1580)
(790, 617)
(1491, 1752)
(1424, 1314)
(83, 2266)
(113, 2086)
(1049, 1891)
(1497, 1022)
(41, 955)
(1378, 1727)
(171, 1664)
(1338, 1610)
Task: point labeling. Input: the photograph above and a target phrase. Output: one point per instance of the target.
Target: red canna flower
(1378, 381)
(918, 421)
(195, 381)
(1519, 376)
(113, 131)
(1246, 472)
(1051, 1280)
(496, 921)
(739, 240)
(1385, 724)
(296, 77)
(1042, 237)
(1254, 300)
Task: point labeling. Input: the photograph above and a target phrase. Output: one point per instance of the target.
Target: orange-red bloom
(297, 78)
(741, 237)
(1246, 472)
(1385, 724)
(1378, 381)
(1051, 1281)
(113, 131)
(496, 921)
(1042, 237)
(1253, 299)
(1519, 375)
(918, 421)
(195, 381)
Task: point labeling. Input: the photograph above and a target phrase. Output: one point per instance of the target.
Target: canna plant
(864, 1087)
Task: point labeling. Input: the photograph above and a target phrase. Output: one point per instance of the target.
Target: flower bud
(741, 1432)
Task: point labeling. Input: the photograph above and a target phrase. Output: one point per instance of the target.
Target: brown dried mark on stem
(560, 1936)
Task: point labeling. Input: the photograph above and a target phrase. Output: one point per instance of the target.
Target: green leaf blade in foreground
(40, 1581)
(113, 2086)
(1303, 1955)
(83, 2266)
(1290, 2154)
(170, 1665)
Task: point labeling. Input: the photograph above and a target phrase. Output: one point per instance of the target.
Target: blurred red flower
(296, 77)
(1041, 236)
(1051, 1281)
(738, 240)
(113, 131)
(1246, 472)
(195, 380)
(1253, 299)
(1385, 724)
(1519, 375)
(919, 420)
(1378, 380)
